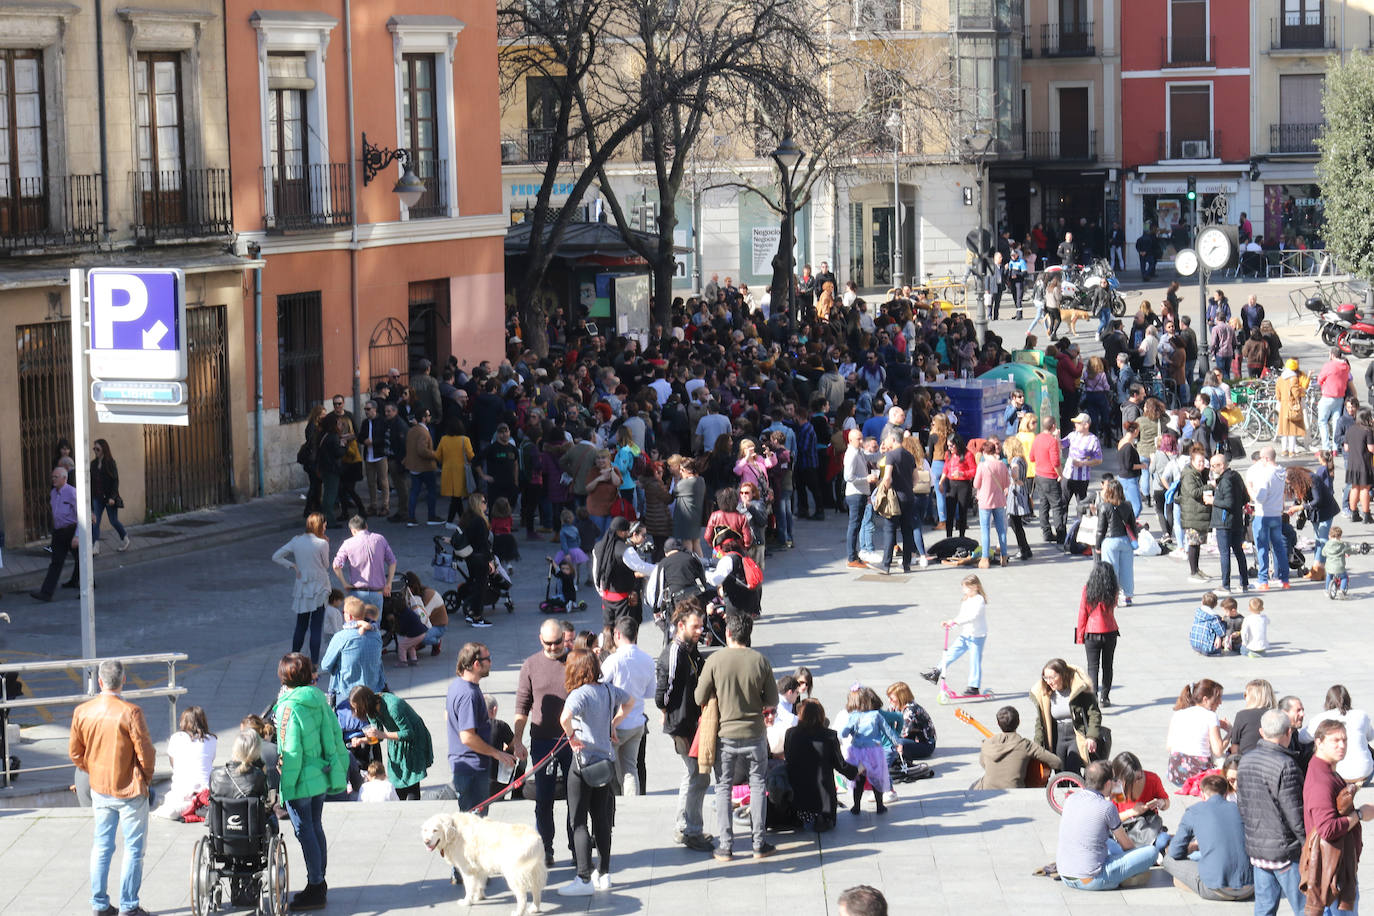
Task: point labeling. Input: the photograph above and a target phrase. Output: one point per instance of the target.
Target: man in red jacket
(1049, 496)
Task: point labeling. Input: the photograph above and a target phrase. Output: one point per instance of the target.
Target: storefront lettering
(560, 189)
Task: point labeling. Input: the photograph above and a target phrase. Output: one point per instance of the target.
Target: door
(1300, 112)
(1073, 123)
(191, 467)
(541, 115)
(161, 151)
(1188, 38)
(44, 369)
(881, 239)
(428, 315)
(1075, 26)
(1302, 24)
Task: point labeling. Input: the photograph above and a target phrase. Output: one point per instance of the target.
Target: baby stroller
(497, 587)
(560, 590)
(243, 847)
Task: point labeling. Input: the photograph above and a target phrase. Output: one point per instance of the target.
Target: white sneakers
(124, 544)
(577, 888)
(580, 888)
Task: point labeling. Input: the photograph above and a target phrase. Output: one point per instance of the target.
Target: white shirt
(1265, 483)
(192, 761)
(973, 617)
(1190, 731)
(632, 670)
(1254, 633)
(662, 388)
(377, 790)
(1358, 763)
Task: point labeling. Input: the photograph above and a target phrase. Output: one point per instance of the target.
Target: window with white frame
(301, 187)
(423, 48)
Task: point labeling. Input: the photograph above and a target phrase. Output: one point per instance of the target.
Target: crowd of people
(667, 471)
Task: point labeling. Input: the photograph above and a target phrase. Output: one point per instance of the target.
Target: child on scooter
(972, 622)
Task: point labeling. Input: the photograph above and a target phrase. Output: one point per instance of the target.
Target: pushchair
(243, 847)
(496, 588)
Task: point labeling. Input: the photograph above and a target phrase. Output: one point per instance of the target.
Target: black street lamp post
(788, 157)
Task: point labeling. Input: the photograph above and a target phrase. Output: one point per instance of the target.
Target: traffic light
(1192, 188)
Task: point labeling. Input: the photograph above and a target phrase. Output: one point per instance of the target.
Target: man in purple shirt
(1085, 453)
(370, 564)
(62, 498)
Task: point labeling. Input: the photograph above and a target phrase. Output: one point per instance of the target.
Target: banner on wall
(766, 239)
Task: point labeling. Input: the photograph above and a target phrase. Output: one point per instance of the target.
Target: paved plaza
(940, 849)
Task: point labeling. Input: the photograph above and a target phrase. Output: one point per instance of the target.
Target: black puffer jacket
(1269, 791)
(1228, 501)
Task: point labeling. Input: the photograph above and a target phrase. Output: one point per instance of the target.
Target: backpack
(1220, 431)
(753, 576)
(1171, 494)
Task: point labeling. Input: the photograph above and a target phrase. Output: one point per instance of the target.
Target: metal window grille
(45, 414)
(300, 354)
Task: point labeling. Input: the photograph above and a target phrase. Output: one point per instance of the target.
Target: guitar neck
(967, 719)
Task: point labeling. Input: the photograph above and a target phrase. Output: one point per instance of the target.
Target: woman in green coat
(409, 750)
(314, 763)
(1196, 514)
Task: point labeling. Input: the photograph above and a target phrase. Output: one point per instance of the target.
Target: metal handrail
(171, 692)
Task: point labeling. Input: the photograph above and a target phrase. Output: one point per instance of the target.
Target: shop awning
(601, 242)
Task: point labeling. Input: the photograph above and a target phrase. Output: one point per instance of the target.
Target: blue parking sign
(137, 323)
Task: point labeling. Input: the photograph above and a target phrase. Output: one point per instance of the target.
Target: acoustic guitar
(1036, 776)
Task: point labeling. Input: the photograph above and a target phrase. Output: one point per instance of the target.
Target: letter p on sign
(111, 290)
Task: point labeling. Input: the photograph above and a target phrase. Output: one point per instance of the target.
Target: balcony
(1199, 144)
(1075, 146)
(1067, 39)
(1296, 32)
(57, 211)
(174, 204)
(297, 197)
(1189, 51)
(1294, 138)
(1027, 51)
(535, 146)
(433, 174)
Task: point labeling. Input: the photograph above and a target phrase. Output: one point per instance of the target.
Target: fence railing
(1294, 138)
(181, 203)
(305, 196)
(1188, 51)
(1205, 144)
(49, 211)
(1297, 32)
(1055, 144)
(1067, 39)
(433, 173)
(87, 667)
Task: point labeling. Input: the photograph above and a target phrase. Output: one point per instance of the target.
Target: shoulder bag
(885, 502)
(599, 773)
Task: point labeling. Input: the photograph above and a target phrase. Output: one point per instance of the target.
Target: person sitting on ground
(377, 788)
(1208, 634)
(1094, 852)
(813, 757)
(192, 752)
(1254, 633)
(1005, 757)
(1214, 831)
(915, 730)
(1195, 731)
(1139, 799)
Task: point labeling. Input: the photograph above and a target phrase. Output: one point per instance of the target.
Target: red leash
(529, 771)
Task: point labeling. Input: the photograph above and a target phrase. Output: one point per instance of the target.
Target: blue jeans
(936, 469)
(314, 622)
(131, 816)
(733, 756)
(972, 645)
(471, 786)
(428, 480)
(546, 785)
(1274, 886)
(602, 522)
(1104, 318)
(866, 531)
(1269, 540)
(987, 518)
(1120, 865)
(785, 513)
(1119, 553)
(1229, 543)
(1328, 412)
(435, 634)
(855, 503)
(98, 506)
(305, 820)
(1130, 486)
(1341, 580)
(373, 598)
(1321, 532)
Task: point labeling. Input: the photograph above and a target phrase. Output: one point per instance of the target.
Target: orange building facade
(356, 282)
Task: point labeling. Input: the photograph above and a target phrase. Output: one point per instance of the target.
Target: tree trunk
(534, 321)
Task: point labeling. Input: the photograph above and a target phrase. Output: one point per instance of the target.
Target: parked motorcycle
(1344, 327)
(1088, 289)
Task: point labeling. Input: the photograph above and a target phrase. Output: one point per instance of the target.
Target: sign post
(131, 325)
(81, 449)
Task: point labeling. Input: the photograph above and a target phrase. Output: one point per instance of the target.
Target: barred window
(300, 358)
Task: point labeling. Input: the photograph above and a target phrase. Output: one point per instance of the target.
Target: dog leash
(529, 771)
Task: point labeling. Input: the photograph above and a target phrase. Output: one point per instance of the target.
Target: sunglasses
(556, 642)
(484, 658)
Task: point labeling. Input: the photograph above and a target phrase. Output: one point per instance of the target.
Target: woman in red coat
(1096, 630)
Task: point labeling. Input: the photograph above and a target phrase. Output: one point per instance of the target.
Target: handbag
(469, 479)
(623, 508)
(885, 502)
(599, 773)
(1144, 830)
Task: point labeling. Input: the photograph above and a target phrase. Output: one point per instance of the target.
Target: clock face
(1213, 248)
(1185, 262)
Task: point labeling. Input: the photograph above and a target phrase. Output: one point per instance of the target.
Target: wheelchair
(244, 848)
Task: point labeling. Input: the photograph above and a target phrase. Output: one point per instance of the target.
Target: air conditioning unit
(1194, 149)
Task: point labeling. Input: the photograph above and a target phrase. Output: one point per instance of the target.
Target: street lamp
(977, 145)
(894, 125)
(789, 156)
(408, 188)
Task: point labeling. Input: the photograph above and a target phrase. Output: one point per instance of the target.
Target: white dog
(480, 848)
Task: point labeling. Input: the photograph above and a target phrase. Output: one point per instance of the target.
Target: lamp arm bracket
(376, 158)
